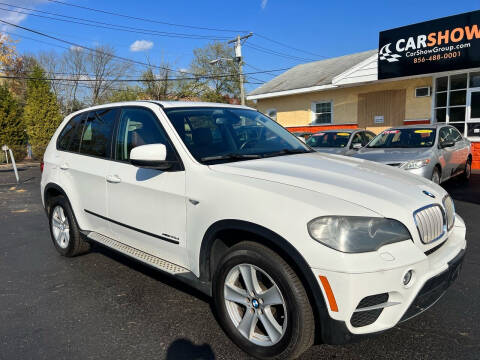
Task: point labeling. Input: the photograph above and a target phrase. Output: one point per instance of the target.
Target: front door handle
(113, 179)
(64, 166)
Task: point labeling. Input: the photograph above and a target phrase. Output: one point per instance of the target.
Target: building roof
(317, 73)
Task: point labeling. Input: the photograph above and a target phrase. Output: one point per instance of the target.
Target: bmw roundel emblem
(428, 193)
(255, 303)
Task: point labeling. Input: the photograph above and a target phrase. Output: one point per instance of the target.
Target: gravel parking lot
(103, 305)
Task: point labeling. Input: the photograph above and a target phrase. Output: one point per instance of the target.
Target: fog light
(407, 277)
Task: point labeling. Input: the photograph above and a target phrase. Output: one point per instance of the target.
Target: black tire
(299, 330)
(436, 175)
(76, 245)
(467, 171)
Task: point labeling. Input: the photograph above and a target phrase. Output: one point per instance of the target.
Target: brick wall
(476, 155)
(314, 129)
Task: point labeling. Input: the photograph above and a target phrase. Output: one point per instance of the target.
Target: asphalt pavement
(104, 306)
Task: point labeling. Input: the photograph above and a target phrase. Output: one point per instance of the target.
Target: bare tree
(75, 64)
(105, 71)
(52, 65)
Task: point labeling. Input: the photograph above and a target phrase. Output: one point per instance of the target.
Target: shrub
(41, 114)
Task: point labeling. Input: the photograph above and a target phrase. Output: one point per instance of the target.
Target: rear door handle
(113, 179)
(64, 166)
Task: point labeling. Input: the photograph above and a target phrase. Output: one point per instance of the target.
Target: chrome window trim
(444, 227)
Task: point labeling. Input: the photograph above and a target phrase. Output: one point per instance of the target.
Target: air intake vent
(368, 310)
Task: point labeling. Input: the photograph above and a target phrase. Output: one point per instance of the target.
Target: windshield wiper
(287, 152)
(232, 156)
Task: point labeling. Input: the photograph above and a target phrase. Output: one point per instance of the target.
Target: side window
(97, 133)
(137, 127)
(77, 133)
(68, 132)
(368, 137)
(357, 139)
(443, 135)
(455, 134)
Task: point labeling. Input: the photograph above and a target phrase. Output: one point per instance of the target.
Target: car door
(83, 168)
(146, 207)
(447, 154)
(355, 140)
(461, 150)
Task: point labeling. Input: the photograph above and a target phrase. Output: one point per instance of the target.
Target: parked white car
(295, 246)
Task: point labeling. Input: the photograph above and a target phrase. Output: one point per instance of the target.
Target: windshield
(215, 135)
(329, 139)
(404, 138)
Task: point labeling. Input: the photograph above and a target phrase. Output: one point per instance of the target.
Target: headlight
(416, 164)
(353, 234)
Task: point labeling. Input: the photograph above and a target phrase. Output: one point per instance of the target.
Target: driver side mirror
(152, 156)
(447, 144)
(356, 146)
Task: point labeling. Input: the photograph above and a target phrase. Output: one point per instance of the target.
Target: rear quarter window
(70, 132)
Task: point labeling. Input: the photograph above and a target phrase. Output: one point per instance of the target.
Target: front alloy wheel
(261, 303)
(255, 304)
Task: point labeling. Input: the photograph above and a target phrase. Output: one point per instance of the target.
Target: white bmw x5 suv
(294, 246)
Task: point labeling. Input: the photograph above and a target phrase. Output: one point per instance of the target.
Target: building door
(473, 112)
(389, 106)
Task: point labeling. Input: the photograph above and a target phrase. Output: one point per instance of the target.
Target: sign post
(8, 150)
(445, 44)
(5, 148)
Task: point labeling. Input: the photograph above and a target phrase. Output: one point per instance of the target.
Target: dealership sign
(445, 44)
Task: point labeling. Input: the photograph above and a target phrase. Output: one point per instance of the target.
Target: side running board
(139, 255)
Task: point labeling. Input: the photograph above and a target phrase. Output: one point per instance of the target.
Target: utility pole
(239, 59)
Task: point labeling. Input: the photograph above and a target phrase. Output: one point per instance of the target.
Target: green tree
(41, 114)
(128, 93)
(216, 85)
(12, 129)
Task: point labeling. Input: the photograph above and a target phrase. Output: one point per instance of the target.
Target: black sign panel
(445, 44)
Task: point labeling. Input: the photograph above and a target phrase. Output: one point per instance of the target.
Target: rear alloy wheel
(436, 176)
(64, 230)
(262, 304)
(60, 227)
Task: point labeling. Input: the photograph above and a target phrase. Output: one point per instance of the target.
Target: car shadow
(184, 349)
(150, 272)
(464, 191)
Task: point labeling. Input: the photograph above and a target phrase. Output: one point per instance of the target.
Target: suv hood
(393, 155)
(380, 188)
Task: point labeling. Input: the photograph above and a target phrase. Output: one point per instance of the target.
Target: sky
(301, 30)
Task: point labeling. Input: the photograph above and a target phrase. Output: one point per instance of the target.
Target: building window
(322, 112)
(456, 98)
(272, 113)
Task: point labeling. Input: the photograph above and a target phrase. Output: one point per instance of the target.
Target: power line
(258, 69)
(145, 19)
(277, 53)
(139, 80)
(127, 59)
(185, 26)
(109, 26)
(288, 46)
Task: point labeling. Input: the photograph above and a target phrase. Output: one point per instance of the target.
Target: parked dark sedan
(340, 141)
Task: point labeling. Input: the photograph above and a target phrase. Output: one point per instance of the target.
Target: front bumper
(370, 302)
